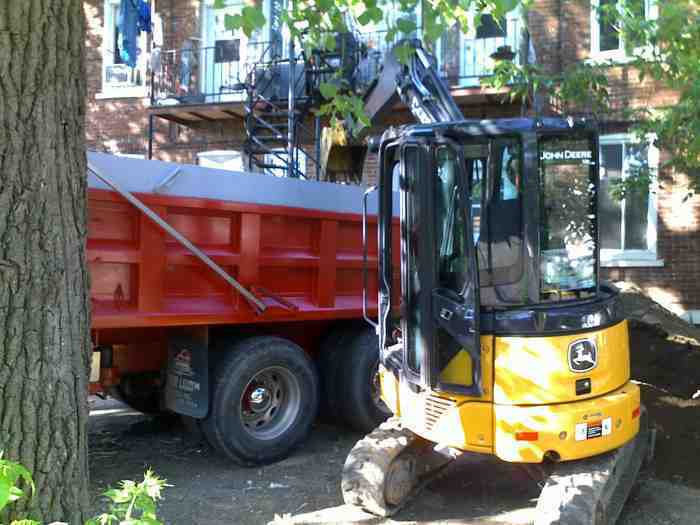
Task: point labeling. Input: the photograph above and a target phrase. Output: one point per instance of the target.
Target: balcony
(463, 69)
(200, 84)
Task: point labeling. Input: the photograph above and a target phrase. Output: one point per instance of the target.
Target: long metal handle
(250, 297)
(364, 256)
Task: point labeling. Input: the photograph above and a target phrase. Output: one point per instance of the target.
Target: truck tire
(360, 406)
(140, 391)
(264, 401)
(333, 347)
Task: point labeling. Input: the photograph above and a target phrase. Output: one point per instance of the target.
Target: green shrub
(130, 504)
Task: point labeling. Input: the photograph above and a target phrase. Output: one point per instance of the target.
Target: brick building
(192, 96)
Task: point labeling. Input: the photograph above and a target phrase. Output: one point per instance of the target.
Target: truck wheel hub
(260, 399)
(270, 403)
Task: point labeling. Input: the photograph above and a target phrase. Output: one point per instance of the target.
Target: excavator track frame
(388, 467)
(593, 491)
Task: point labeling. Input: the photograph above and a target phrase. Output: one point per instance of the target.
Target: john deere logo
(583, 355)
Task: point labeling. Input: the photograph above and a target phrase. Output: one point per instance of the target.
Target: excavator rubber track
(389, 466)
(593, 491)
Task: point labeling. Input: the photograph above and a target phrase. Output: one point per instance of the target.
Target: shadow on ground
(305, 488)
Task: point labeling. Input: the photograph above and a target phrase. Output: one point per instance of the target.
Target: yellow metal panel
(535, 370)
(441, 419)
(460, 367)
(556, 427)
(459, 370)
(466, 422)
(389, 390)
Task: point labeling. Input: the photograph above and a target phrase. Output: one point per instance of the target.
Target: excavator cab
(501, 339)
(524, 192)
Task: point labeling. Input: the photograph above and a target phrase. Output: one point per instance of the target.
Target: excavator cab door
(440, 292)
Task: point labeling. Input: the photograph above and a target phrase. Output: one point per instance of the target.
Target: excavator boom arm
(417, 84)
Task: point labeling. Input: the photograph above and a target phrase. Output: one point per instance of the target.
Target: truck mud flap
(187, 381)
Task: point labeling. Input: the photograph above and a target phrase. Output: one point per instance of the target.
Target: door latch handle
(446, 314)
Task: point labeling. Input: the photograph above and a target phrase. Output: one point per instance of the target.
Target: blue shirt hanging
(134, 17)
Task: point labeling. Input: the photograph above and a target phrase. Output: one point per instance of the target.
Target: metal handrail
(364, 257)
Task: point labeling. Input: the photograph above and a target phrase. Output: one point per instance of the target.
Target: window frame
(109, 24)
(634, 257)
(227, 154)
(651, 12)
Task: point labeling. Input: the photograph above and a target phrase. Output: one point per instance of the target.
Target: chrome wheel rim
(270, 403)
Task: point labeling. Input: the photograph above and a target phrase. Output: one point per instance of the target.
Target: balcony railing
(465, 68)
(204, 75)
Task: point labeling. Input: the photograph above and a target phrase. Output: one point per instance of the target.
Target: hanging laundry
(134, 17)
(157, 26)
(187, 62)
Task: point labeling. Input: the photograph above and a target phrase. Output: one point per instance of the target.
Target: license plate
(593, 429)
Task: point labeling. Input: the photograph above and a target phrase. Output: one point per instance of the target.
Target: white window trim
(636, 258)
(651, 10)
(222, 154)
(108, 25)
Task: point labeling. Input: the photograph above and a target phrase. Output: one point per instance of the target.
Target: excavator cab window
(494, 171)
(568, 228)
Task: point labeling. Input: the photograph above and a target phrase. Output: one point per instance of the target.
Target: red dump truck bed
(303, 263)
(169, 331)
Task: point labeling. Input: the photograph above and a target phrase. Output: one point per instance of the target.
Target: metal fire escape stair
(270, 146)
(269, 115)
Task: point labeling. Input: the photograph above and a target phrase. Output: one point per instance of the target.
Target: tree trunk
(44, 308)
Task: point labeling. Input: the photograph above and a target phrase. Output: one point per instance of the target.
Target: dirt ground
(305, 488)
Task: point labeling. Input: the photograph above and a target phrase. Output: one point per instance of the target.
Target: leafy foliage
(13, 477)
(315, 23)
(130, 504)
(133, 503)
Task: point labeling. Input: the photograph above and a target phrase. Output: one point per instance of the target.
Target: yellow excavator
(501, 339)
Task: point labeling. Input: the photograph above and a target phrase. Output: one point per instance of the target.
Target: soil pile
(665, 360)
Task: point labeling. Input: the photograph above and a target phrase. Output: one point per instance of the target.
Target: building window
(606, 40)
(222, 160)
(627, 227)
(118, 79)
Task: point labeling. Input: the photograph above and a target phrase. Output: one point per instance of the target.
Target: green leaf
(254, 15)
(365, 18)
(5, 487)
(25, 522)
(406, 25)
(403, 53)
(328, 90)
(233, 22)
(219, 4)
(15, 493)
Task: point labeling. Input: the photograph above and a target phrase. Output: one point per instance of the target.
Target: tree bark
(44, 307)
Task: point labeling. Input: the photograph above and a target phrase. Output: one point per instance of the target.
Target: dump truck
(233, 299)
